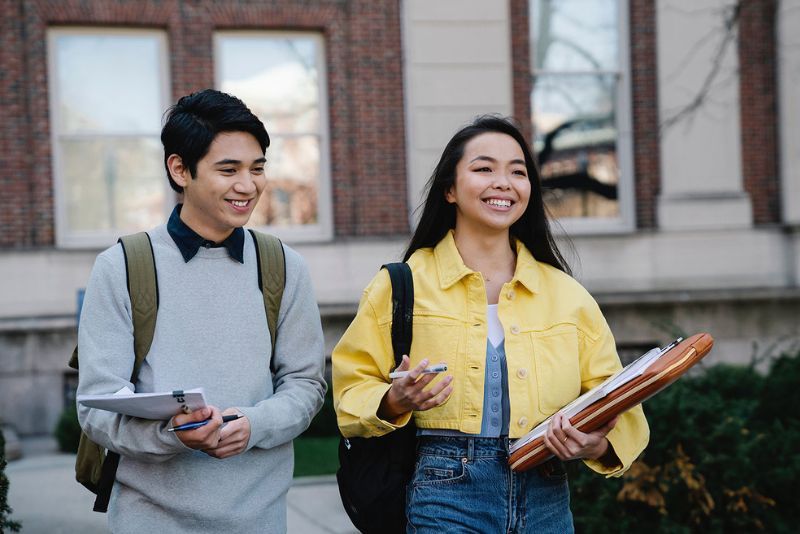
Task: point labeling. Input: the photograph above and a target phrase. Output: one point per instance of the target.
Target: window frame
(76, 239)
(625, 222)
(322, 230)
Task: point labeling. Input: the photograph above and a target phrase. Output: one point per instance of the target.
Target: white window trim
(92, 239)
(626, 188)
(323, 229)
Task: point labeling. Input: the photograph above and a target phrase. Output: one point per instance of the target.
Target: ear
(449, 195)
(178, 171)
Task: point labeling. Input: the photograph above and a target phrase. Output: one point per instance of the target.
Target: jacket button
(514, 329)
(522, 372)
(523, 421)
(511, 294)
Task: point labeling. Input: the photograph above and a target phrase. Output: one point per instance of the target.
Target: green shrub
(6, 524)
(722, 458)
(68, 431)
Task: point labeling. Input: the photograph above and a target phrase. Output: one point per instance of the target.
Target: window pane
(113, 184)
(277, 77)
(576, 143)
(108, 83)
(574, 35)
(292, 183)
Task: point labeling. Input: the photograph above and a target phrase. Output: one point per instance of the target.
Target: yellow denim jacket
(557, 345)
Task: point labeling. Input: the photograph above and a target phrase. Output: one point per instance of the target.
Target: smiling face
(491, 189)
(230, 179)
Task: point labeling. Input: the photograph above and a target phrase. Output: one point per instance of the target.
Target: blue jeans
(465, 485)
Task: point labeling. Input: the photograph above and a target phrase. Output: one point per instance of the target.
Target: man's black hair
(192, 124)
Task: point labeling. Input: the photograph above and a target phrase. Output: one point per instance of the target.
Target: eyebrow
(492, 160)
(238, 162)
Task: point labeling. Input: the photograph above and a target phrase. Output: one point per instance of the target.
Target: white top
(496, 334)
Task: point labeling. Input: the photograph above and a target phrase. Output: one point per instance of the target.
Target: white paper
(615, 381)
(159, 406)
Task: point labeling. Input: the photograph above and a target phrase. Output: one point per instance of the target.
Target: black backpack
(374, 472)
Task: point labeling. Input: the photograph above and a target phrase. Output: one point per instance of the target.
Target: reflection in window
(576, 77)
(107, 100)
(278, 76)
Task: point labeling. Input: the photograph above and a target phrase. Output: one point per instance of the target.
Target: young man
(211, 332)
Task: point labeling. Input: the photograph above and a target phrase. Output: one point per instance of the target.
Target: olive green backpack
(95, 467)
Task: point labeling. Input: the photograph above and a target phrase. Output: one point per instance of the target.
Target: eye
(257, 170)
(483, 169)
(521, 172)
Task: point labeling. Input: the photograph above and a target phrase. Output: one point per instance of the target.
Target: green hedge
(6, 524)
(723, 457)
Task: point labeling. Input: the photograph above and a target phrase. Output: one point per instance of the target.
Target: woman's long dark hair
(439, 216)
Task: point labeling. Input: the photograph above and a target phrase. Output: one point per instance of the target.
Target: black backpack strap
(140, 267)
(402, 308)
(271, 281)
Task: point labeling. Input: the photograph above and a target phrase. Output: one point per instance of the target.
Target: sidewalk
(46, 499)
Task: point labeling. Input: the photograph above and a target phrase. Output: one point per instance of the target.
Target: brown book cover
(660, 373)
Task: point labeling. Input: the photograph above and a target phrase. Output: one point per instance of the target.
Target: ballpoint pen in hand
(198, 424)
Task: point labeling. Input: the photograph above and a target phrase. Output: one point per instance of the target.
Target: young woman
(520, 337)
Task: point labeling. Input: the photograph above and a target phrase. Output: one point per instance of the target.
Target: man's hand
(569, 443)
(409, 393)
(201, 438)
(233, 437)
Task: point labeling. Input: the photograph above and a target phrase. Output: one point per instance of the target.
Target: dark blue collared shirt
(189, 241)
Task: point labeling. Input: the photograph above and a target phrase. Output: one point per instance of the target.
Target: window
(108, 91)
(581, 111)
(281, 78)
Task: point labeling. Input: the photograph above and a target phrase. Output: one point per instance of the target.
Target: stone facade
(714, 244)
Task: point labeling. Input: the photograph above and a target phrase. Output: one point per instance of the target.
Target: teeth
(239, 203)
(498, 202)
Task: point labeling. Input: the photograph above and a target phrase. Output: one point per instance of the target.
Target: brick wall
(15, 178)
(365, 96)
(521, 65)
(644, 97)
(758, 108)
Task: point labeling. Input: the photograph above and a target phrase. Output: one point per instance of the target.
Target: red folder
(659, 374)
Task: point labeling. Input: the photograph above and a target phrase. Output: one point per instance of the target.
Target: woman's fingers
(556, 439)
(414, 373)
(439, 394)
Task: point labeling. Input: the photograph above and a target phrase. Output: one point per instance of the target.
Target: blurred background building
(668, 134)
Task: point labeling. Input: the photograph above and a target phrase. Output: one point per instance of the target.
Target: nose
(245, 183)
(501, 181)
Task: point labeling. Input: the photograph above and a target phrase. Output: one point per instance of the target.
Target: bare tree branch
(702, 95)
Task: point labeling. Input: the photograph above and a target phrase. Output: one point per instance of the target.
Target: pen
(671, 345)
(440, 368)
(198, 424)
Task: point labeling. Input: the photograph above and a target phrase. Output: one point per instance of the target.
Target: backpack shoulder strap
(271, 279)
(140, 269)
(402, 308)
(143, 290)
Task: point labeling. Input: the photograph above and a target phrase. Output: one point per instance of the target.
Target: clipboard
(607, 402)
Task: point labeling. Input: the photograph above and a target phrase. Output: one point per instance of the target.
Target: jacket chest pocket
(441, 340)
(555, 353)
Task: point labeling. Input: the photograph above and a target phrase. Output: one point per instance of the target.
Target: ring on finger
(565, 438)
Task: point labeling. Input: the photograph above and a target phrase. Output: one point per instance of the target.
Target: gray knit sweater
(211, 332)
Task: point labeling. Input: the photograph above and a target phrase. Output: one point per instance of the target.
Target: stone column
(457, 66)
(788, 52)
(701, 169)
